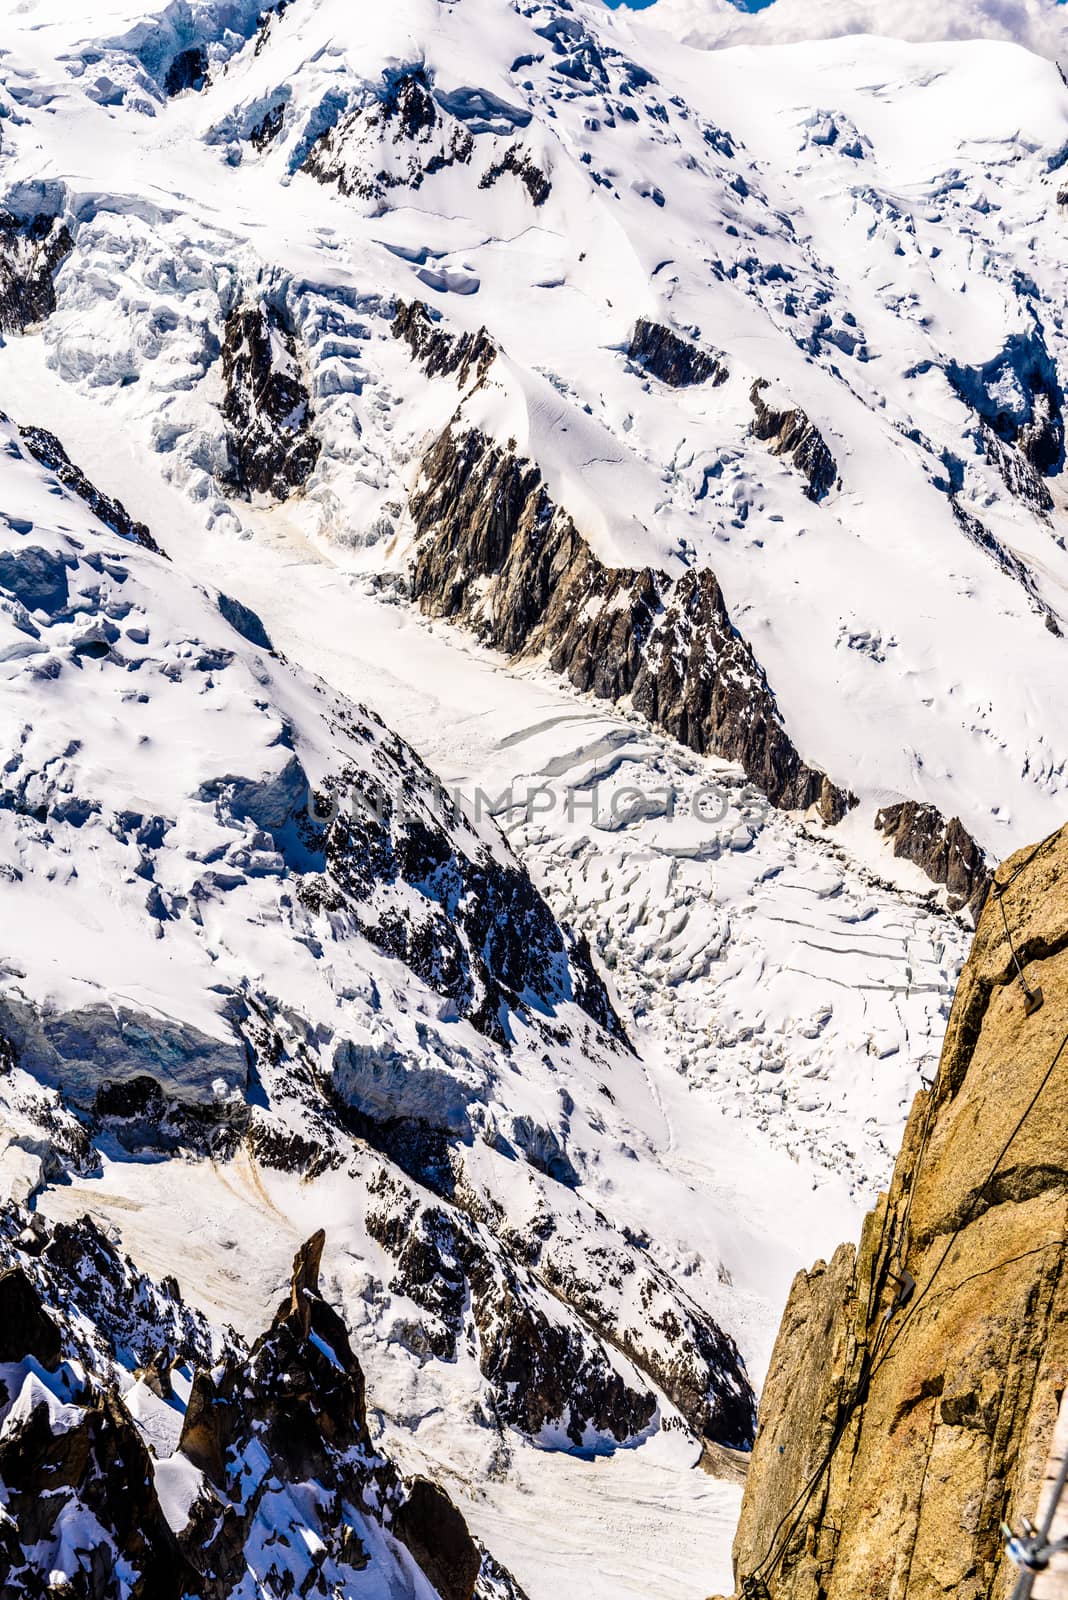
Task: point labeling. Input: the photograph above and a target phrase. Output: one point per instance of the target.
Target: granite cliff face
(498, 554)
(945, 850)
(788, 431)
(677, 362)
(928, 1365)
(272, 448)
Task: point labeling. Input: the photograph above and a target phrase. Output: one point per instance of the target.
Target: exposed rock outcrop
(46, 449)
(945, 850)
(26, 1329)
(466, 357)
(573, 1323)
(81, 1268)
(915, 1382)
(397, 142)
(789, 431)
(32, 250)
(1018, 395)
(675, 361)
(273, 450)
(1019, 476)
(266, 131)
(476, 930)
(77, 1478)
(521, 165)
(188, 70)
(412, 130)
(268, 17)
(85, 1484)
(1007, 560)
(549, 1371)
(265, 1476)
(499, 555)
(436, 1534)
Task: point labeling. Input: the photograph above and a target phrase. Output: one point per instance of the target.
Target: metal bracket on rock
(1034, 1000)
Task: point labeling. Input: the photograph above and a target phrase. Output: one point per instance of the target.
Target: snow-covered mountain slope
(250, 914)
(870, 229)
(326, 829)
(635, 438)
(704, 1195)
(123, 1031)
(588, 1218)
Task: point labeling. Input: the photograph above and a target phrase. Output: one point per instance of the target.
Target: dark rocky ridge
(408, 133)
(463, 356)
(484, 513)
(944, 850)
(547, 1371)
(477, 932)
(289, 1412)
(1007, 560)
(46, 449)
(520, 164)
(273, 450)
(542, 1291)
(73, 1267)
(1018, 474)
(789, 431)
(672, 648)
(702, 1372)
(541, 1373)
(268, 128)
(25, 1326)
(945, 1402)
(97, 1475)
(269, 15)
(674, 361)
(32, 250)
(1019, 401)
(397, 142)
